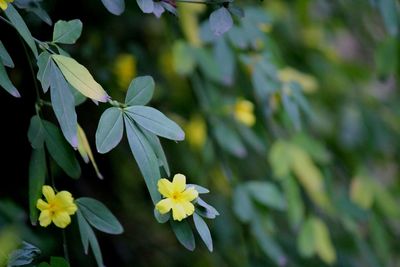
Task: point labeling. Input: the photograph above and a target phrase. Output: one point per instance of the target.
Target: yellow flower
(57, 209)
(196, 131)
(125, 69)
(4, 3)
(244, 112)
(177, 197)
(307, 82)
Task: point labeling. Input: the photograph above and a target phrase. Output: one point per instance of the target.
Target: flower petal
(178, 212)
(164, 206)
(179, 183)
(66, 202)
(45, 218)
(42, 205)
(188, 207)
(61, 219)
(48, 193)
(190, 194)
(165, 187)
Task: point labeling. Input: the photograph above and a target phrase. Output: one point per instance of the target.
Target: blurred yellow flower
(177, 197)
(4, 3)
(307, 82)
(196, 131)
(57, 209)
(125, 69)
(243, 112)
(188, 17)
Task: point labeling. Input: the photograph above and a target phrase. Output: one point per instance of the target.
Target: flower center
(175, 196)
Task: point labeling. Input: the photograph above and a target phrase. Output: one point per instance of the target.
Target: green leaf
(37, 177)
(6, 83)
(88, 237)
(5, 57)
(267, 193)
(155, 122)
(387, 56)
(145, 157)
(45, 65)
(182, 58)
(278, 159)
(228, 139)
(323, 243)
(242, 204)
(380, 238)
(63, 104)
(207, 63)
(198, 188)
(99, 216)
(60, 151)
(67, 32)
(292, 110)
(268, 244)
(19, 24)
(115, 7)
(158, 149)
(389, 10)
(161, 218)
(225, 60)
(110, 130)
(80, 78)
(36, 132)
(294, 202)
(220, 21)
(207, 210)
(84, 230)
(147, 6)
(306, 240)
(203, 231)
(140, 91)
(184, 234)
(44, 264)
(23, 256)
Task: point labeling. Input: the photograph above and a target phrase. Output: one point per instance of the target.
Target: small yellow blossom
(4, 3)
(307, 82)
(177, 197)
(196, 131)
(57, 209)
(125, 69)
(243, 112)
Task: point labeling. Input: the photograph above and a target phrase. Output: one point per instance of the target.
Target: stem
(6, 21)
(117, 104)
(65, 247)
(32, 72)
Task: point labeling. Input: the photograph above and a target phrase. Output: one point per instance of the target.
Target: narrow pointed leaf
(19, 24)
(37, 176)
(145, 158)
(85, 150)
(60, 151)
(158, 149)
(110, 130)
(184, 234)
(63, 104)
(5, 57)
(80, 78)
(155, 122)
(36, 132)
(99, 216)
(88, 237)
(203, 231)
(6, 83)
(45, 65)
